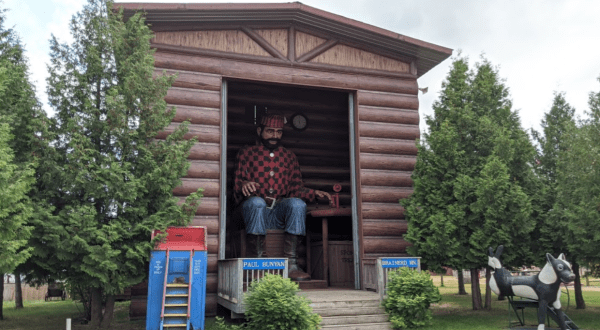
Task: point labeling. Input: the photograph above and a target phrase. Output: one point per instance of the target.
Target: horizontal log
(385, 245)
(212, 264)
(307, 74)
(384, 194)
(385, 178)
(387, 162)
(385, 227)
(382, 211)
(208, 205)
(212, 283)
(388, 131)
(391, 100)
(390, 85)
(203, 133)
(388, 115)
(388, 146)
(211, 222)
(204, 169)
(205, 151)
(194, 97)
(230, 64)
(189, 185)
(195, 80)
(212, 244)
(197, 115)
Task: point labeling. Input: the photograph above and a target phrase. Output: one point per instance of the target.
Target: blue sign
(263, 264)
(399, 262)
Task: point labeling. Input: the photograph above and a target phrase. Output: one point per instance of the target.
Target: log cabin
(354, 87)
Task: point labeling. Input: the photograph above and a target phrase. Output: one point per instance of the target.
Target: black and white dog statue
(543, 287)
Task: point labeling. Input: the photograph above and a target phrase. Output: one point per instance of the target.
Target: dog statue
(543, 287)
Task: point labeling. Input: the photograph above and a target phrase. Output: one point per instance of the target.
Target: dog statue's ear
(549, 257)
(499, 251)
(562, 257)
(490, 251)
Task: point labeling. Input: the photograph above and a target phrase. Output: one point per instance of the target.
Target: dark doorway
(322, 148)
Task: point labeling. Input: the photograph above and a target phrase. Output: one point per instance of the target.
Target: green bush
(272, 304)
(409, 295)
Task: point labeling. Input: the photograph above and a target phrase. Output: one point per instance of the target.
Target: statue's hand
(249, 187)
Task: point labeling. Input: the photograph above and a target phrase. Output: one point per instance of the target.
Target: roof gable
(264, 30)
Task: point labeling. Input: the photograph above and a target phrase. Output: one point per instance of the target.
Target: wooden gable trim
(263, 43)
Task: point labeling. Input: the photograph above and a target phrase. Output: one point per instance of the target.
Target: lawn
(453, 312)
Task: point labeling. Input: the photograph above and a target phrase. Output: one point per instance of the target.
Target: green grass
(453, 312)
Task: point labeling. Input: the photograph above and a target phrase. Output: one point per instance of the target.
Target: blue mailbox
(177, 280)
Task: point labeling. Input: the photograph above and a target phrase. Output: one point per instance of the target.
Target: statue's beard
(271, 146)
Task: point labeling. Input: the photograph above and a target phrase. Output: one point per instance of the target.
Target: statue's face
(270, 136)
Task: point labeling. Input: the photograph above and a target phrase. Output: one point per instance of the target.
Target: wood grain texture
(205, 151)
(278, 38)
(203, 133)
(193, 97)
(344, 55)
(391, 100)
(388, 146)
(195, 80)
(391, 245)
(377, 194)
(387, 162)
(208, 205)
(382, 211)
(385, 227)
(197, 115)
(386, 178)
(191, 185)
(204, 169)
(388, 115)
(230, 41)
(388, 131)
(306, 42)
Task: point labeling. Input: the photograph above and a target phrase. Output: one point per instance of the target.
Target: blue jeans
(289, 214)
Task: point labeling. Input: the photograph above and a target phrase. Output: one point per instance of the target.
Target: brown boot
(290, 251)
(255, 246)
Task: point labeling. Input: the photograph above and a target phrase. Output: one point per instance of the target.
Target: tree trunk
(96, 308)
(1, 295)
(475, 290)
(442, 278)
(108, 312)
(488, 289)
(18, 291)
(579, 302)
(461, 283)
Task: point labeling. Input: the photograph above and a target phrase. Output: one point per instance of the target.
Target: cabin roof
(425, 55)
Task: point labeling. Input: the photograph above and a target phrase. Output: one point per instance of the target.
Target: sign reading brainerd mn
(263, 264)
(400, 262)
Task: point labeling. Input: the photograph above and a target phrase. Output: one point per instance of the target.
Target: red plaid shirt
(277, 172)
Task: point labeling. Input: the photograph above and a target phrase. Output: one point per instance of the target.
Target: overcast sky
(539, 46)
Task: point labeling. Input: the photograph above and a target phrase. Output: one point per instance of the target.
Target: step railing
(235, 276)
(385, 265)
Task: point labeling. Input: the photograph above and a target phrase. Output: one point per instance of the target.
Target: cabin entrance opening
(324, 152)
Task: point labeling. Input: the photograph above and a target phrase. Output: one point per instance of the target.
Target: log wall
(386, 126)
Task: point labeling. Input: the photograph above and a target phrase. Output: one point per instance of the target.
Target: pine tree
(578, 192)
(471, 177)
(109, 180)
(21, 118)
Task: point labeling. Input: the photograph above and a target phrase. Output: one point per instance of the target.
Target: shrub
(409, 295)
(272, 304)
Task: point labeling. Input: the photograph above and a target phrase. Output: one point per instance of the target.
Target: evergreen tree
(578, 192)
(472, 177)
(22, 116)
(15, 208)
(108, 179)
(551, 144)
